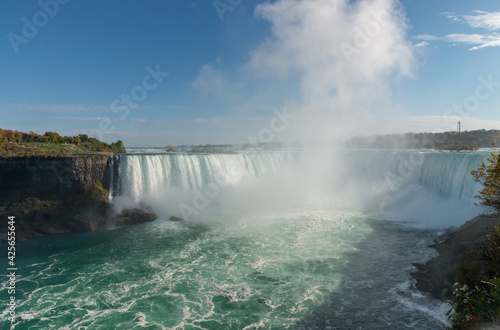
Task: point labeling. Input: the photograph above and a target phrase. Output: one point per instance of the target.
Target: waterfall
(445, 173)
(150, 174)
(425, 186)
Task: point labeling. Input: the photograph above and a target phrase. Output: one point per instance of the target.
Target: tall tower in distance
(459, 126)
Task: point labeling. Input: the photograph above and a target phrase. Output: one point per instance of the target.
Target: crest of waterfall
(445, 173)
(373, 180)
(149, 174)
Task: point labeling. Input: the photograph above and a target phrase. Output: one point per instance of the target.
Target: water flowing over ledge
(150, 173)
(374, 180)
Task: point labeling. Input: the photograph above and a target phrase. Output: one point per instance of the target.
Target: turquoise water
(278, 240)
(310, 267)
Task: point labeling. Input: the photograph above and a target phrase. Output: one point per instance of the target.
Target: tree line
(468, 140)
(82, 140)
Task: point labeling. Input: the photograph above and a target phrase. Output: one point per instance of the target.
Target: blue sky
(194, 72)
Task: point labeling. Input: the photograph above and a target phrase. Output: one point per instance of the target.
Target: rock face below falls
(50, 178)
(438, 275)
(50, 196)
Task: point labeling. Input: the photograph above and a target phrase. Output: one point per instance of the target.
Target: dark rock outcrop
(50, 178)
(438, 275)
(50, 196)
(134, 216)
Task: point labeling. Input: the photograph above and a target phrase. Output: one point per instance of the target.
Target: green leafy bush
(96, 192)
(477, 293)
(489, 176)
(474, 305)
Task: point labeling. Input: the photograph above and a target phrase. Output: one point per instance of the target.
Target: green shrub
(96, 192)
(478, 304)
(489, 177)
(477, 293)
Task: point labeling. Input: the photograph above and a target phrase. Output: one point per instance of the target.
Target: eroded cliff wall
(50, 178)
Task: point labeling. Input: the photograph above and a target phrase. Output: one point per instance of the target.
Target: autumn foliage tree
(489, 176)
(82, 140)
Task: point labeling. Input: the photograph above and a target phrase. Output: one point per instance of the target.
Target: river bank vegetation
(52, 144)
(452, 141)
(476, 294)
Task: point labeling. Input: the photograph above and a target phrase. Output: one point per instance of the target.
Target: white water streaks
(186, 183)
(436, 191)
(198, 184)
(306, 267)
(446, 173)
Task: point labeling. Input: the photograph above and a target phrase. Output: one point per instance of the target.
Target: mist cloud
(343, 54)
(340, 56)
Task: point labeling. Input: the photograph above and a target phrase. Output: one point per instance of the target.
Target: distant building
(459, 126)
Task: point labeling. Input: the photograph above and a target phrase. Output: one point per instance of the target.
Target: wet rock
(438, 275)
(54, 230)
(83, 224)
(134, 216)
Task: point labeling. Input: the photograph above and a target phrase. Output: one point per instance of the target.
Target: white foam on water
(270, 247)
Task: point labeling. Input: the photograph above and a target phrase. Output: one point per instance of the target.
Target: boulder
(54, 230)
(438, 275)
(133, 216)
(82, 224)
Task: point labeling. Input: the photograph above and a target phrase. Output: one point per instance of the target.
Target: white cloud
(484, 20)
(344, 54)
(492, 43)
(339, 56)
(308, 38)
(466, 38)
(426, 37)
(489, 21)
(422, 44)
(482, 41)
(213, 81)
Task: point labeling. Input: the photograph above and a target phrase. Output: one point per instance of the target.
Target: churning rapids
(271, 240)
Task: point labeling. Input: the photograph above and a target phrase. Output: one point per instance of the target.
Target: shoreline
(438, 275)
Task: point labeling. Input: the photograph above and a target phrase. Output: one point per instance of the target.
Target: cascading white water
(445, 173)
(429, 187)
(371, 180)
(150, 174)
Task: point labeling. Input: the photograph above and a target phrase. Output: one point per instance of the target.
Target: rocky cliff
(50, 178)
(60, 195)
